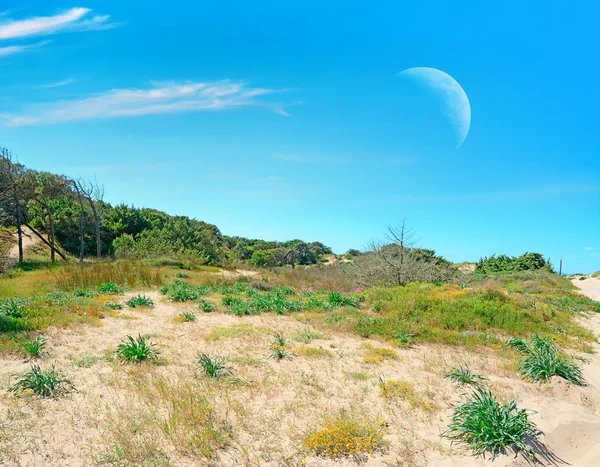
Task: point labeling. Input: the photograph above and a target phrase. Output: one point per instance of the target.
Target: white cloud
(58, 84)
(70, 20)
(293, 158)
(589, 248)
(15, 49)
(160, 99)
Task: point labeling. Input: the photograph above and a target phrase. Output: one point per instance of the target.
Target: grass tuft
(187, 316)
(44, 383)
(486, 425)
(462, 375)
(542, 360)
(35, 348)
(137, 350)
(213, 366)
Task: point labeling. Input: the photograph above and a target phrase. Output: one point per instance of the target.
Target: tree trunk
(50, 230)
(20, 234)
(41, 237)
(82, 249)
(97, 223)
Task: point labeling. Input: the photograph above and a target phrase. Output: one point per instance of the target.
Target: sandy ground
(589, 287)
(29, 239)
(279, 401)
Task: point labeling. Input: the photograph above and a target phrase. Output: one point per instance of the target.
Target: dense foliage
(504, 263)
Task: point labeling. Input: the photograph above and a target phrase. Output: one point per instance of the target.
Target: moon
(453, 99)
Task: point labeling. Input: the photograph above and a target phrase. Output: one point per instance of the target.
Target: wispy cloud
(15, 49)
(75, 19)
(591, 251)
(293, 158)
(57, 84)
(160, 99)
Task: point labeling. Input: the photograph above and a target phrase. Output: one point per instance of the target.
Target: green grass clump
(35, 348)
(13, 307)
(114, 305)
(487, 426)
(307, 336)
(207, 306)
(182, 274)
(83, 293)
(89, 361)
(278, 349)
(542, 360)
(137, 350)
(110, 288)
(187, 316)
(462, 375)
(140, 301)
(213, 366)
(44, 383)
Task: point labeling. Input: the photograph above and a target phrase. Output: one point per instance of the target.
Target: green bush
(462, 375)
(207, 306)
(140, 301)
(504, 263)
(35, 348)
(110, 288)
(213, 366)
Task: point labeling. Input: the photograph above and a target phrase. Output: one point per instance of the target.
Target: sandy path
(589, 287)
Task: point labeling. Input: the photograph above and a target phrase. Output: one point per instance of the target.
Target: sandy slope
(29, 239)
(589, 287)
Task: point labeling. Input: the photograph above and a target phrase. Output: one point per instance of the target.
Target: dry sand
(284, 399)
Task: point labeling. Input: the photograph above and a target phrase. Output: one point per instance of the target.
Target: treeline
(72, 219)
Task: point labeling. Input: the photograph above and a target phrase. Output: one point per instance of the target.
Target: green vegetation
(114, 305)
(181, 291)
(110, 288)
(140, 301)
(137, 350)
(278, 349)
(542, 360)
(44, 383)
(504, 263)
(213, 366)
(207, 306)
(187, 316)
(35, 348)
(487, 426)
(462, 375)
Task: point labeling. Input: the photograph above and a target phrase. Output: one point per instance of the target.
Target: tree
(397, 261)
(13, 201)
(93, 193)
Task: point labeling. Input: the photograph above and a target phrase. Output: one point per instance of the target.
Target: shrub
(182, 274)
(187, 316)
(35, 348)
(181, 291)
(140, 301)
(542, 360)
(462, 375)
(44, 383)
(404, 339)
(207, 306)
(336, 299)
(114, 305)
(213, 366)
(486, 425)
(137, 350)
(503, 263)
(110, 288)
(343, 436)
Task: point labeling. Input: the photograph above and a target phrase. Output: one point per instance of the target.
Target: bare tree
(396, 260)
(93, 193)
(10, 172)
(75, 184)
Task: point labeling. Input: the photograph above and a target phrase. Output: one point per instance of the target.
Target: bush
(180, 291)
(486, 425)
(542, 360)
(343, 436)
(83, 293)
(137, 350)
(140, 301)
(48, 383)
(504, 263)
(114, 305)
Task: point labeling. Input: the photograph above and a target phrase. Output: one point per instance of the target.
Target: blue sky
(284, 120)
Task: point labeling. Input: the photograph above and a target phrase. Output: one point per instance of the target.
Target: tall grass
(122, 272)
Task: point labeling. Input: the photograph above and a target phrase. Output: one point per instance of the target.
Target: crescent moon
(452, 97)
